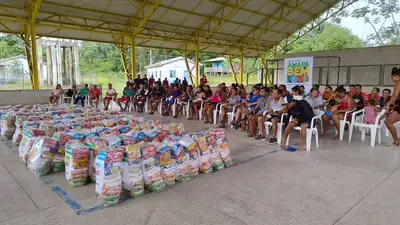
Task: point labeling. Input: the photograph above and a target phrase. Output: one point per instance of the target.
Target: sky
(358, 26)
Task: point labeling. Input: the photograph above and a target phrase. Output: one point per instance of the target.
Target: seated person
(344, 104)
(94, 95)
(70, 94)
(248, 103)
(315, 100)
(184, 99)
(359, 97)
(127, 95)
(276, 110)
(256, 116)
(141, 96)
(111, 94)
(56, 94)
(328, 93)
(374, 94)
(157, 94)
(233, 100)
(297, 94)
(195, 105)
(82, 94)
(209, 107)
(170, 101)
(302, 114)
(385, 97)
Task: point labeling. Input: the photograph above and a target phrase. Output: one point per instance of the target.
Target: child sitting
(332, 106)
(370, 111)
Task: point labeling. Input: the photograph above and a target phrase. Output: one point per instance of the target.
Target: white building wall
(179, 66)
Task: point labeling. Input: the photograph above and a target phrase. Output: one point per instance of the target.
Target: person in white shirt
(111, 94)
(315, 99)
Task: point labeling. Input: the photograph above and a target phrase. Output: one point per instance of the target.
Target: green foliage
(328, 37)
(10, 45)
(382, 16)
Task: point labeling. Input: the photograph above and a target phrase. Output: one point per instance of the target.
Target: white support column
(39, 61)
(76, 61)
(54, 64)
(59, 65)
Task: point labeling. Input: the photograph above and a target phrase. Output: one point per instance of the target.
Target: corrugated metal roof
(219, 26)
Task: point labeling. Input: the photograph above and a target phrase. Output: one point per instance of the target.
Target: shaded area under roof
(219, 26)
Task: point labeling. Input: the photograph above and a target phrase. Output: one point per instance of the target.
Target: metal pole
(338, 74)
(241, 66)
(133, 57)
(34, 58)
(197, 64)
(329, 69)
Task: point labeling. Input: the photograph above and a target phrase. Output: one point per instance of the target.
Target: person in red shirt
(203, 80)
(375, 94)
(94, 95)
(151, 80)
(165, 83)
(359, 97)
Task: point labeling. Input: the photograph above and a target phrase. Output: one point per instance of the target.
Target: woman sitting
(297, 93)
(243, 110)
(70, 94)
(385, 97)
(171, 100)
(233, 100)
(184, 99)
(344, 104)
(209, 107)
(56, 94)
(196, 103)
(127, 95)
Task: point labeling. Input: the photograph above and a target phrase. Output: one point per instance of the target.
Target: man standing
(185, 82)
(165, 82)
(302, 114)
(256, 117)
(203, 80)
(151, 80)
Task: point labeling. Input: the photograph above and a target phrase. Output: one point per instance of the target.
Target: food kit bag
(217, 162)
(168, 168)
(58, 162)
(40, 160)
(222, 142)
(109, 175)
(205, 155)
(76, 163)
(25, 147)
(191, 150)
(151, 169)
(132, 174)
(184, 171)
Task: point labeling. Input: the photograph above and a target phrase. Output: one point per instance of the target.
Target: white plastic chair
(344, 122)
(216, 111)
(311, 130)
(231, 116)
(268, 124)
(201, 110)
(374, 128)
(187, 109)
(174, 107)
(146, 105)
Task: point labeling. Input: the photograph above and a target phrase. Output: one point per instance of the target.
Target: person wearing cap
(302, 114)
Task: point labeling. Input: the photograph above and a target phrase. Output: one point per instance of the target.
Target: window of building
(160, 74)
(172, 74)
(156, 74)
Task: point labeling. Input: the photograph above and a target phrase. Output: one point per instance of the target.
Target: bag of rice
(191, 150)
(132, 175)
(40, 159)
(184, 171)
(109, 175)
(95, 144)
(113, 140)
(76, 163)
(151, 169)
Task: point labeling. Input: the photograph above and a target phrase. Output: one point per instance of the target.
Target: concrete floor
(339, 183)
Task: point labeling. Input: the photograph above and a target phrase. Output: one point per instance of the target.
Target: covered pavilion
(238, 28)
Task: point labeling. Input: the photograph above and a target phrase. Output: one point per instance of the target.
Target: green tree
(10, 45)
(382, 16)
(327, 37)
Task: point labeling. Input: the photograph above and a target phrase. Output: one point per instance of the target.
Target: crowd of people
(251, 110)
